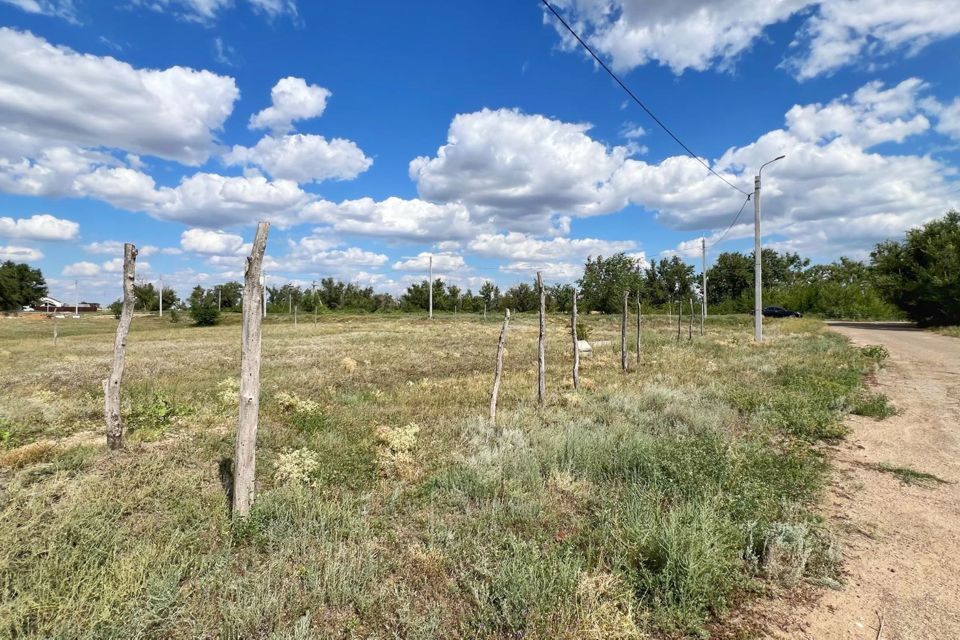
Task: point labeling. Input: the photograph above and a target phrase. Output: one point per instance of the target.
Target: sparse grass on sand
(647, 503)
(907, 475)
(949, 331)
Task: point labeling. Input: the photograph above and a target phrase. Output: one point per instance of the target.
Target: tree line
(917, 278)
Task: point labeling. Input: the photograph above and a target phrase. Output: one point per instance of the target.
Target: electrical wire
(735, 218)
(636, 99)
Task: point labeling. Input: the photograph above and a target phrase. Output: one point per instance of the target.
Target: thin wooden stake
(690, 330)
(111, 386)
(245, 459)
(54, 329)
(639, 327)
(623, 332)
(541, 351)
(576, 343)
(498, 372)
(679, 318)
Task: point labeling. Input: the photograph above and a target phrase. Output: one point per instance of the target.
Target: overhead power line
(735, 218)
(636, 99)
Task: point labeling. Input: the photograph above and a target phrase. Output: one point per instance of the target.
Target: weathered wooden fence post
(246, 450)
(639, 320)
(541, 351)
(623, 332)
(679, 318)
(576, 343)
(54, 328)
(111, 386)
(498, 372)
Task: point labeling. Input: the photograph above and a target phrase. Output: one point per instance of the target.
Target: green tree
(520, 298)
(605, 280)
(203, 307)
(921, 274)
(20, 286)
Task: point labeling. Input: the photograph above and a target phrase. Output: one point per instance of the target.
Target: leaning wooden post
(111, 386)
(576, 343)
(623, 332)
(541, 352)
(498, 372)
(639, 319)
(246, 451)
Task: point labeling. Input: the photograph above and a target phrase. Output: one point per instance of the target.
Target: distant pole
(263, 288)
(576, 343)
(289, 303)
(757, 255)
(690, 329)
(219, 297)
(76, 295)
(703, 263)
(484, 310)
(541, 351)
(295, 309)
(161, 297)
(54, 328)
(430, 293)
(623, 331)
(315, 305)
(639, 319)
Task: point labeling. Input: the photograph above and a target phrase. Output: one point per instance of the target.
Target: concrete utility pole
(703, 262)
(263, 287)
(430, 293)
(757, 254)
(76, 295)
(161, 297)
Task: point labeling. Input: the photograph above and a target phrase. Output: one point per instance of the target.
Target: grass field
(646, 504)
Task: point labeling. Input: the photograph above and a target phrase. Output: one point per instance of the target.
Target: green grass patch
(909, 476)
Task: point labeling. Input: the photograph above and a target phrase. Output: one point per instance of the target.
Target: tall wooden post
(498, 371)
(111, 386)
(246, 450)
(623, 332)
(541, 351)
(576, 343)
(639, 320)
(690, 330)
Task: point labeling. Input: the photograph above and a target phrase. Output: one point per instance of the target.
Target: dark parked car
(780, 312)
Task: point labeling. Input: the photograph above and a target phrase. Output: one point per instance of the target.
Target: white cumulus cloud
(54, 96)
(293, 99)
(303, 158)
(39, 227)
(700, 34)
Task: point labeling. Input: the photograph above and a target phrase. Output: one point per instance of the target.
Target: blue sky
(375, 134)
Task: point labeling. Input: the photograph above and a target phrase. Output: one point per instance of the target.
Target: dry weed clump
(27, 455)
(293, 403)
(296, 467)
(395, 453)
(605, 609)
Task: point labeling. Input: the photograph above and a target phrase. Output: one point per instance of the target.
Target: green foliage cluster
(20, 286)
(203, 307)
(921, 274)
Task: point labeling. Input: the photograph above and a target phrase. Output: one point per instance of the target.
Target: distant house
(52, 305)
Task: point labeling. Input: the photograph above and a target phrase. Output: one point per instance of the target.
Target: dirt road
(901, 542)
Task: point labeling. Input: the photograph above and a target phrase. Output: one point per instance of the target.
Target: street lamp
(757, 269)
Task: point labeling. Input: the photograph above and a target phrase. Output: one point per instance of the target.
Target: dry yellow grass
(387, 506)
